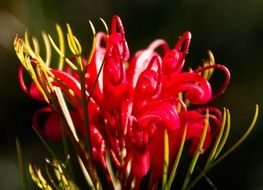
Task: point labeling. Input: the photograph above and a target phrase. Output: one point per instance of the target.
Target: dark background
(232, 29)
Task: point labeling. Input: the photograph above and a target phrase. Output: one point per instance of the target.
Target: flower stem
(218, 139)
(63, 113)
(165, 159)
(45, 143)
(84, 105)
(212, 164)
(196, 155)
(21, 166)
(242, 138)
(176, 162)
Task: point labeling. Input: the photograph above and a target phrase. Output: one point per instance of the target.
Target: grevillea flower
(125, 107)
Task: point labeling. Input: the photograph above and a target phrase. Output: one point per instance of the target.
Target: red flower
(132, 101)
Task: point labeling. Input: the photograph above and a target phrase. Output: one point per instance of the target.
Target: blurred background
(232, 29)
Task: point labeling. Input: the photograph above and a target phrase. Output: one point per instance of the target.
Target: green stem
(50, 178)
(84, 106)
(196, 155)
(251, 126)
(165, 160)
(218, 139)
(68, 165)
(225, 136)
(178, 157)
(21, 166)
(212, 164)
(63, 113)
(45, 143)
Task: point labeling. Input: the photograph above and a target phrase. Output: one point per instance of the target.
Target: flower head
(125, 107)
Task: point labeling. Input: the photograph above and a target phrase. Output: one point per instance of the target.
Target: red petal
(98, 146)
(163, 114)
(173, 60)
(156, 148)
(226, 81)
(140, 163)
(95, 67)
(142, 59)
(68, 80)
(52, 127)
(35, 93)
(198, 90)
(33, 90)
(195, 125)
(148, 85)
(117, 37)
(114, 83)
